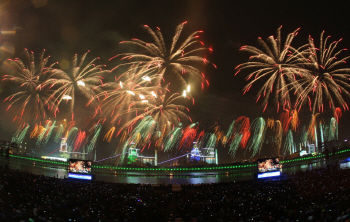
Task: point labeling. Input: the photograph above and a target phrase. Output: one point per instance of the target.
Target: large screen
(79, 166)
(268, 165)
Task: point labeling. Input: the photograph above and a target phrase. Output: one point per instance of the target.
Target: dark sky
(64, 28)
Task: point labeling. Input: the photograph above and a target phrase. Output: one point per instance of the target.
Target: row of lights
(172, 169)
(178, 169)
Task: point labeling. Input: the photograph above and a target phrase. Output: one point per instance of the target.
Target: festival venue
(174, 111)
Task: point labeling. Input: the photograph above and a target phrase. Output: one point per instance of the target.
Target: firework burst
(181, 60)
(32, 77)
(278, 65)
(164, 112)
(85, 80)
(326, 82)
(129, 90)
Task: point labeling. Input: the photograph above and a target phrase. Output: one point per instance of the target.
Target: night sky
(64, 28)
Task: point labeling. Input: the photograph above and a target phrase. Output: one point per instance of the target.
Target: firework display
(316, 76)
(278, 65)
(31, 76)
(143, 101)
(83, 79)
(179, 60)
(326, 82)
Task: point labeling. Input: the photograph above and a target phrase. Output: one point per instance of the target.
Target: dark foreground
(317, 195)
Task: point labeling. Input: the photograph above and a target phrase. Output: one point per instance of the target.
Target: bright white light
(54, 158)
(144, 101)
(184, 94)
(146, 78)
(80, 83)
(130, 92)
(154, 94)
(270, 174)
(79, 176)
(66, 97)
(121, 84)
(188, 88)
(142, 96)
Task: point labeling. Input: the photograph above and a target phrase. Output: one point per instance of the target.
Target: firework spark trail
(326, 129)
(122, 141)
(34, 132)
(41, 134)
(52, 126)
(258, 127)
(325, 82)
(270, 123)
(44, 135)
(137, 137)
(241, 127)
(70, 125)
(288, 144)
(109, 135)
(31, 75)
(294, 120)
(289, 119)
(62, 128)
(96, 132)
(20, 134)
(219, 135)
(212, 141)
(130, 89)
(321, 127)
(142, 132)
(173, 138)
(180, 60)
(235, 143)
(337, 113)
(285, 120)
(145, 128)
(71, 135)
(161, 135)
(164, 111)
(201, 138)
(16, 135)
(304, 136)
(79, 141)
(230, 130)
(59, 133)
(278, 136)
(189, 135)
(83, 79)
(277, 64)
(312, 126)
(333, 129)
(124, 150)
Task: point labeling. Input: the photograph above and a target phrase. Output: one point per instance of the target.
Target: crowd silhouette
(316, 195)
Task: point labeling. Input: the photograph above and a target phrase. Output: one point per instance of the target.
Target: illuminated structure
(195, 154)
(63, 147)
(134, 153)
(208, 155)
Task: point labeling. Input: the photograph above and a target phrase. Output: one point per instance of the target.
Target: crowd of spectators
(316, 195)
(29, 197)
